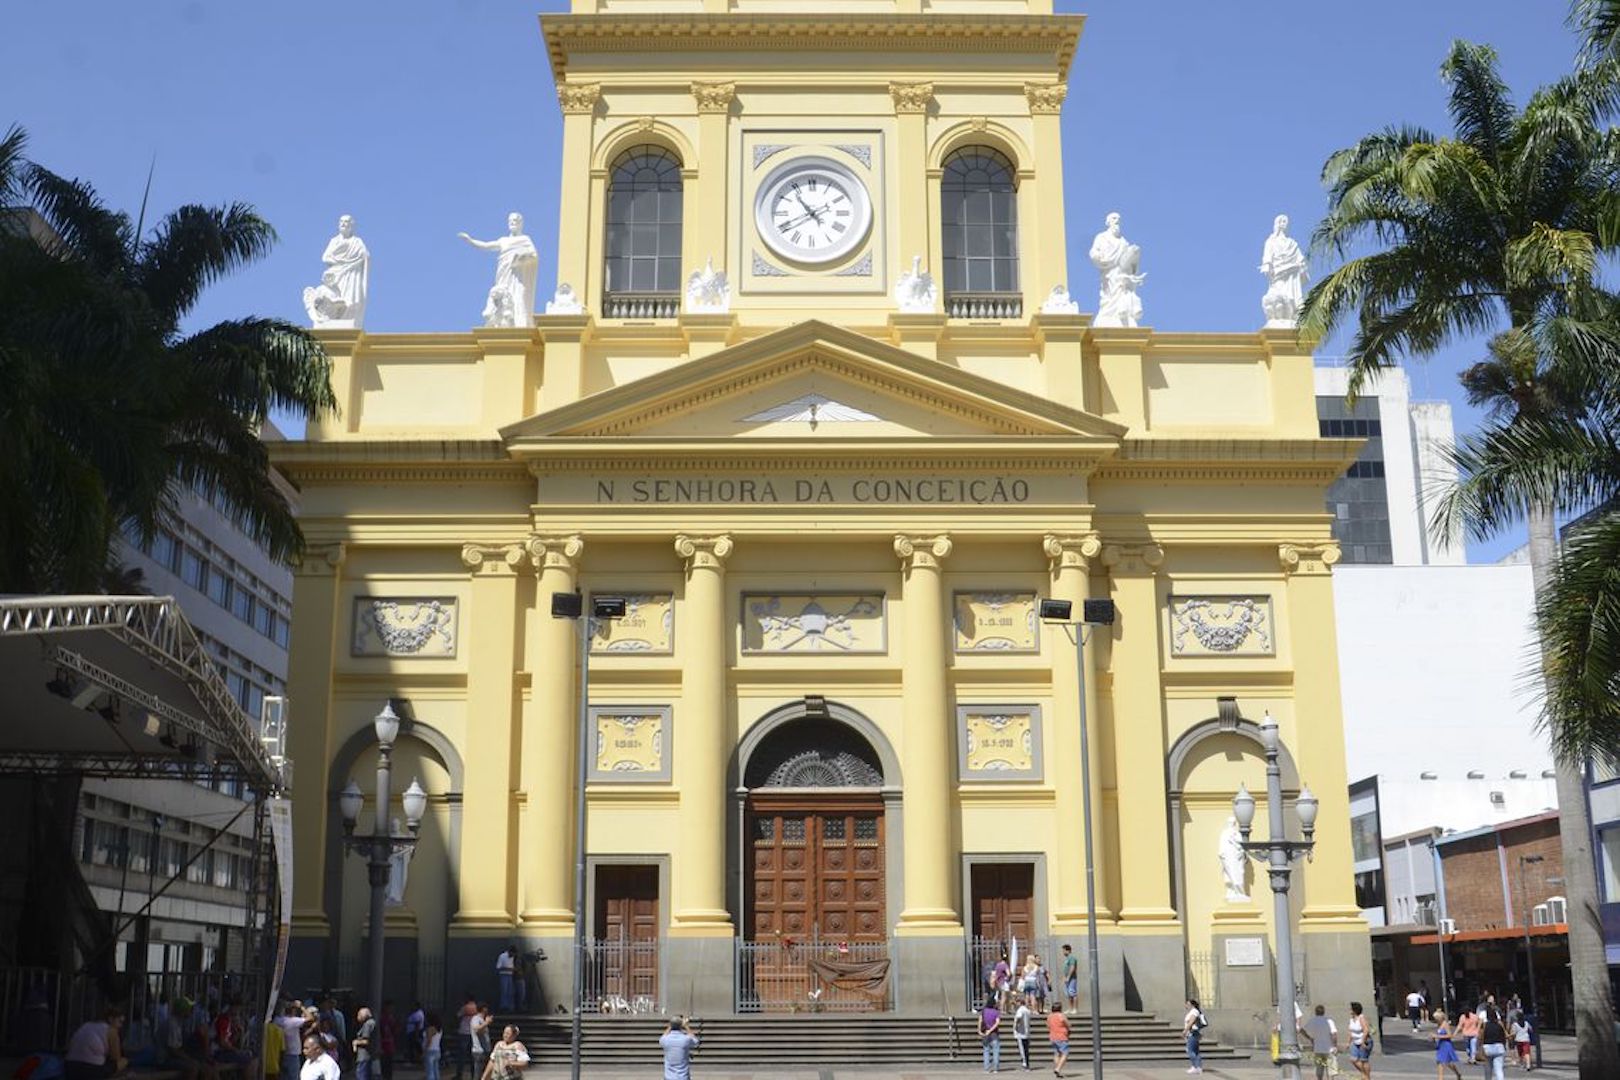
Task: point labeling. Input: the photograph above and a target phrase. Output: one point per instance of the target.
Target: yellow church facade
(832, 489)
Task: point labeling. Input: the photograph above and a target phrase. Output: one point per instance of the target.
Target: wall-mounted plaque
(1221, 626)
(1002, 622)
(813, 623)
(419, 627)
(1245, 952)
(632, 743)
(999, 742)
(648, 625)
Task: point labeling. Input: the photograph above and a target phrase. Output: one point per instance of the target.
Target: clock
(812, 210)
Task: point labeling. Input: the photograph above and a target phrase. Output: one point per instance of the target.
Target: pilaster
(342, 350)
(917, 333)
(1046, 259)
(708, 204)
(1317, 739)
(911, 102)
(1062, 343)
(550, 725)
(1139, 734)
(928, 742)
(562, 379)
(576, 246)
(316, 602)
(511, 361)
(1293, 383)
(1122, 387)
(1069, 558)
(485, 866)
(704, 744)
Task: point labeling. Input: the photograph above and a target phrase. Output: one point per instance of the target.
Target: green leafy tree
(112, 407)
(1498, 229)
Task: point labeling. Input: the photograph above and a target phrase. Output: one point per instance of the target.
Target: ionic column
(550, 731)
(1139, 734)
(911, 101)
(708, 204)
(1315, 737)
(703, 744)
(484, 864)
(928, 733)
(317, 589)
(1069, 560)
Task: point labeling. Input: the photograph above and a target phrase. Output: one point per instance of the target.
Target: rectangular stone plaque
(648, 625)
(824, 623)
(1245, 952)
(631, 743)
(999, 742)
(415, 627)
(1000, 622)
(1222, 626)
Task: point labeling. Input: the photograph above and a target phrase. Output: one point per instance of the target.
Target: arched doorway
(815, 836)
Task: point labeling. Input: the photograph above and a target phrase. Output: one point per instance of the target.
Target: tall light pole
(1092, 613)
(1529, 950)
(379, 847)
(1278, 854)
(603, 609)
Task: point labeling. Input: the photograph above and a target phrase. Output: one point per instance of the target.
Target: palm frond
(1578, 616)
(195, 246)
(12, 146)
(1480, 106)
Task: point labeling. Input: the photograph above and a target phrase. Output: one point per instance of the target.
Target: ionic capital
(579, 97)
(1132, 559)
(703, 552)
(555, 552)
(921, 552)
(492, 558)
(1071, 551)
(911, 97)
(1046, 97)
(714, 97)
(323, 560)
(1308, 559)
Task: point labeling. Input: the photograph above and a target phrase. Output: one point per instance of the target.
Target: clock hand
(813, 212)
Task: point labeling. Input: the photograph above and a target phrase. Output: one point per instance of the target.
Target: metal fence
(777, 976)
(984, 953)
(1204, 979)
(622, 977)
(41, 1007)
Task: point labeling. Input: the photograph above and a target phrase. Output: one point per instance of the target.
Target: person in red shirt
(1057, 1029)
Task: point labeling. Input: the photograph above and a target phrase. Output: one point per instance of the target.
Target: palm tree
(112, 408)
(1497, 228)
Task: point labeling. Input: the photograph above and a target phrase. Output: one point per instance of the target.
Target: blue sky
(1198, 121)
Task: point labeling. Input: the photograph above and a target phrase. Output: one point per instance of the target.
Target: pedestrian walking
(1361, 1041)
(507, 1057)
(1445, 1055)
(479, 1030)
(1493, 1042)
(1192, 1028)
(1521, 1041)
(432, 1041)
(463, 1046)
(1071, 980)
(990, 1036)
(318, 1064)
(365, 1044)
(1057, 1030)
(1021, 1018)
(1468, 1025)
(677, 1042)
(1414, 1009)
(1324, 1036)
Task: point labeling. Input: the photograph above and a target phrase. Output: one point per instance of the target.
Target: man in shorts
(1071, 980)
(1057, 1029)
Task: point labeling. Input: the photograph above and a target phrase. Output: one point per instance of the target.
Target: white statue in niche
(339, 301)
(1233, 863)
(1286, 271)
(565, 301)
(915, 292)
(708, 292)
(1117, 260)
(1059, 302)
(517, 266)
(399, 865)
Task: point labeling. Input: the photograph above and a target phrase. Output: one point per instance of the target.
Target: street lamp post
(1529, 950)
(603, 609)
(380, 845)
(1278, 854)
(1092, 613)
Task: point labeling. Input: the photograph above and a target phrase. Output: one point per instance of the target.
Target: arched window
(643, 269)
(979, 217)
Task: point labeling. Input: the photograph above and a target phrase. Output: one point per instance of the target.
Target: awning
(1501, 933)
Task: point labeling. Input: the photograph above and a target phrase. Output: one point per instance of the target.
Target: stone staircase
(875, 1039)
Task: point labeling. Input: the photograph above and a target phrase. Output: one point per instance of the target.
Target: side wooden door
(627, 932)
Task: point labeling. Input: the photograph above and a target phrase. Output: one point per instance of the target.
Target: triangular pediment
(812, 380)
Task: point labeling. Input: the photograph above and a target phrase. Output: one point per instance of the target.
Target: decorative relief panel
(631, 743)
(996, 622)
(1221, 626)
(818, 623)
(420, 627)
(648, 625)
(999, 742)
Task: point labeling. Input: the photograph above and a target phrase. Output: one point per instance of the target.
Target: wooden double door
(815, 867)
(625, 964)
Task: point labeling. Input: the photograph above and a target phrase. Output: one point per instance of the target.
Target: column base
(547, 922)
(928, 922)
(699, 922)
(1235, 917)
(1338, 915)
(928, 974)
(473, 922)
(700, 973)
(310, 924)
(1151, 973)
(1073, 920)
(1150, 917)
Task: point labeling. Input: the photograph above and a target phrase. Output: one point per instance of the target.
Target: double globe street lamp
(1277, 854)
(383, 843)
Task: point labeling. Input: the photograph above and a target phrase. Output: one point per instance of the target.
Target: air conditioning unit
(1538, 916)
(1448, 926)
(1427, 913)
(1498, 800)
(1557, 910)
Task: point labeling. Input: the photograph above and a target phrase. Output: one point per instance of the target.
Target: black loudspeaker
(1099, 612)
(567, 605)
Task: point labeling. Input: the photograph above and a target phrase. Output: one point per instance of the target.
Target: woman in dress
(1445, 1055)
(507, 1057)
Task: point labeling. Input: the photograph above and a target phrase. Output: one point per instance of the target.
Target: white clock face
(812, 210)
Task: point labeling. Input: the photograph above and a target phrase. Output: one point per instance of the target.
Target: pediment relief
(812, 380)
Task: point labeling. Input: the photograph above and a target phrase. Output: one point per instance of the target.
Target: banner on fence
(281, 838)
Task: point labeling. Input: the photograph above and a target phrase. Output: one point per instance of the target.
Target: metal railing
(622, 977)
(41, 1007)
(776, 976)
(984, 953)
(1204, 979)
(653, 305)
(991, 305)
